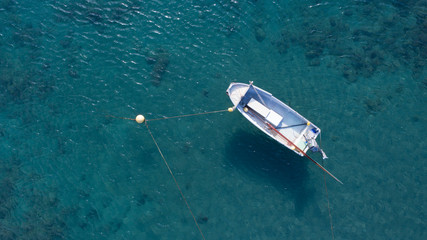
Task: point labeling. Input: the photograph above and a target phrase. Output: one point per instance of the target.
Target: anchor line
(329, 207)
(176, 182)
(186, 115)
(327, 195)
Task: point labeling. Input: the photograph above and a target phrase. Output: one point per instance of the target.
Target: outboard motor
(314, 147)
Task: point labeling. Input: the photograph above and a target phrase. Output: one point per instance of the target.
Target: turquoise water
(357, 69)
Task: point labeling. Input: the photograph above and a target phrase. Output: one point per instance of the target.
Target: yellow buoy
(140, 119)
(245, 109)
(308, 123)
(230, 109)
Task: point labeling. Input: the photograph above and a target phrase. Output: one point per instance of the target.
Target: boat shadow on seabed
(263, 159)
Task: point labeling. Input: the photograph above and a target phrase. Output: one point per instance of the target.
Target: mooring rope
(141, 119)
(329, 208)
(327, 195)
(176, 182)
(186, 115)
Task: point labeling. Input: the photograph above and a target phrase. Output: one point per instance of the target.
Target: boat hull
(274, 118)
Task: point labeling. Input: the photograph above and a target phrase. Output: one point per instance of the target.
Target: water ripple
(351, 67)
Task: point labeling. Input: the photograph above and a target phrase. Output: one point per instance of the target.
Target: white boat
(276, 119)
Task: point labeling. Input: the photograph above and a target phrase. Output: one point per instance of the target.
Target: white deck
(270, 115)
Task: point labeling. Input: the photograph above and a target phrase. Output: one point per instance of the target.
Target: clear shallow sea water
(356, 69)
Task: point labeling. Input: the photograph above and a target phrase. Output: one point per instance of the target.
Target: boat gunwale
(261, 124)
